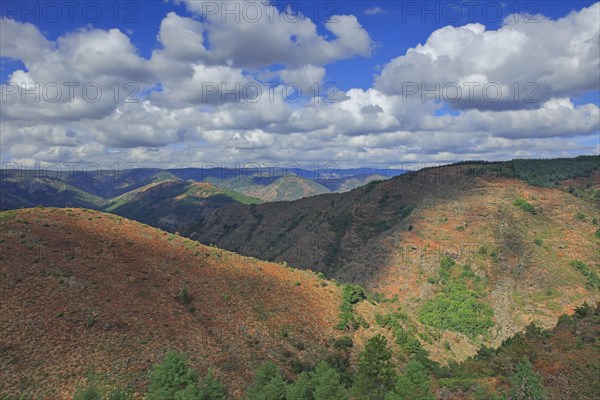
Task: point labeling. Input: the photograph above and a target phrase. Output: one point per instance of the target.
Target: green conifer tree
(525, 384)
(376, 374)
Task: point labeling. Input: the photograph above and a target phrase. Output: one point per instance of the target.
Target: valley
(93, 289)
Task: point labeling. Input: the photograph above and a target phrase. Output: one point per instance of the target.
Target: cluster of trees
(457, 308)
(405, 338)
(548, 172)
(321, 383)
(570, 347)
(375, 378)
(351, 295)
(378, 375)
(172, 379)
(545, 173)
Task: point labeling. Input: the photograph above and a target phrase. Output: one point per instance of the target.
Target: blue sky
(417, 20)
(384, 43)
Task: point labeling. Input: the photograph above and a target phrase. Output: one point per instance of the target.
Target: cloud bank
(227, 91)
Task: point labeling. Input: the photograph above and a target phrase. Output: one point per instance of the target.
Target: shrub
(593, 280)
(447, 263)
(580, 216)
(117, 394)
(351, 294)
(467, 272)
(583, 310)
(377, 297)
(89, 392)
(408, 343)
(524, 205)
(538, 242)
(184, 295)
(343, 342)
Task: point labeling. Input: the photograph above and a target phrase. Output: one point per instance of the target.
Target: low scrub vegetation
(525, 206)
(404, 334)
(592, 277)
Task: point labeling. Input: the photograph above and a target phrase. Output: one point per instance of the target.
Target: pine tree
(211, 388)
(414, 384)
(302, 389)
(526, 384)
(268, 384)
(376, 374)
(173, 378)
(327, 383)
(190, 392)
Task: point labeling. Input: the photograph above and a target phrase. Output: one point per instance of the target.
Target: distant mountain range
(99, 189)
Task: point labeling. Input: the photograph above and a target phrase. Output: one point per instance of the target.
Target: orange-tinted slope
(86, 291)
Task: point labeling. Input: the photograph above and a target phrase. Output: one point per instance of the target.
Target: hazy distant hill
(26, 188)
(171, 204)
(351, 182)
(291, 187)
(16, 192)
